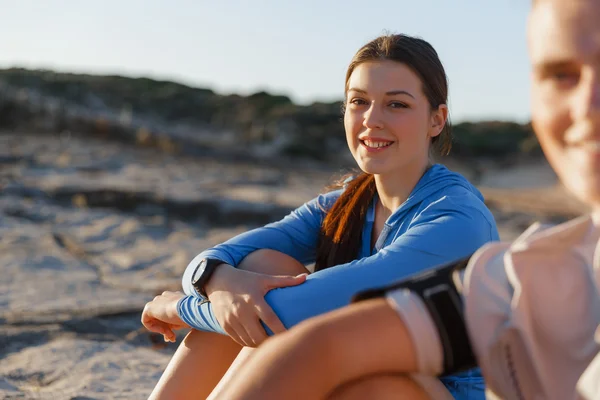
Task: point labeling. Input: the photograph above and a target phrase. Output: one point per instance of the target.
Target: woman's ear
(438, 120)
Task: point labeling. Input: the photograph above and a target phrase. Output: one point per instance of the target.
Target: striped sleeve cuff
(198, 314)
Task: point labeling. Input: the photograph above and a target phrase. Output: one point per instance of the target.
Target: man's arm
(325, 352)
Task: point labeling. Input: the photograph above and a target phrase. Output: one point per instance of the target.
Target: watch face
(199, 271)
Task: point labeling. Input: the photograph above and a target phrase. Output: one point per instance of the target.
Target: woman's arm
(296, 235)
(445, 233)
(325, 352)
(160, 315)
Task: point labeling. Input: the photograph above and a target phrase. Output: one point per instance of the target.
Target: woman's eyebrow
(397, 92)
(390, 93)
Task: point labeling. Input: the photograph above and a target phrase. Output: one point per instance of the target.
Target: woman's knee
(381, 387)
(271, 262)
(200, 338)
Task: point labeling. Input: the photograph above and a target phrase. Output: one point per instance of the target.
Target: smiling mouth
(376, 144)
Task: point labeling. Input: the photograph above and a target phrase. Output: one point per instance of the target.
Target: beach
(92, 229)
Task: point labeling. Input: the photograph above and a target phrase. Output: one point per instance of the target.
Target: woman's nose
(373, 118)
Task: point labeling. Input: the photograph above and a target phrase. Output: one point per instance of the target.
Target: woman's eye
(396, 104)
(358, 102)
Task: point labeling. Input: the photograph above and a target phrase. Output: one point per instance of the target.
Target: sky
(296, 48)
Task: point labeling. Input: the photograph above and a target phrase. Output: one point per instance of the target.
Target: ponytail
(341, 231)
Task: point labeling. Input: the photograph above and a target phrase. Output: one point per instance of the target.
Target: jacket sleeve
(444, 232)
(295, 235)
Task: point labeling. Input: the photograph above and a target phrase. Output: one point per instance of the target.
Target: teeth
(376, 145)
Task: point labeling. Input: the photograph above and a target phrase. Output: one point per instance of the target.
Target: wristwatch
(205, 268)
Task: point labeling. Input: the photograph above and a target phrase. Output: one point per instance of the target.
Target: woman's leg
(231, 372)
(202, 359)
(392, 386)
(196, 367)
(381, 387)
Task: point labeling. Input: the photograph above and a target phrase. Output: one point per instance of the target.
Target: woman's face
(388, 120)
(564, 47)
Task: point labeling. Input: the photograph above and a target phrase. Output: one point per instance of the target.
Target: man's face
(564, 47)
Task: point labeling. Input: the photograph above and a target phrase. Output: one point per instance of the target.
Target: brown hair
(341, 231)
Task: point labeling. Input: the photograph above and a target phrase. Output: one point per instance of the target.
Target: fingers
(155, 325)
(268, 316)
(170, 295)
(238, 333)
(240, 312)
(255, 331)
(242, 324)
(147, 318)
(170, 336)
(273, 282)
(160, 327)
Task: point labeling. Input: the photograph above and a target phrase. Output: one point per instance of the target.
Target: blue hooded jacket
(443, 219)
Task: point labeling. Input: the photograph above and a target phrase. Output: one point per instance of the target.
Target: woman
(532, 307)
(403, 214)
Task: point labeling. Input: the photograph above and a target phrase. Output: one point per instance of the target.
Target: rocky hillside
(177, 117)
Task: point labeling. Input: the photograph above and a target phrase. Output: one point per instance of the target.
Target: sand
(92, 230)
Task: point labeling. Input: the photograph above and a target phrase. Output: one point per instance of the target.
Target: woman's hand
(238, 299)
(160, 315)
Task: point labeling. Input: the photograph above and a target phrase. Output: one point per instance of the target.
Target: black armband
(440, 289)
